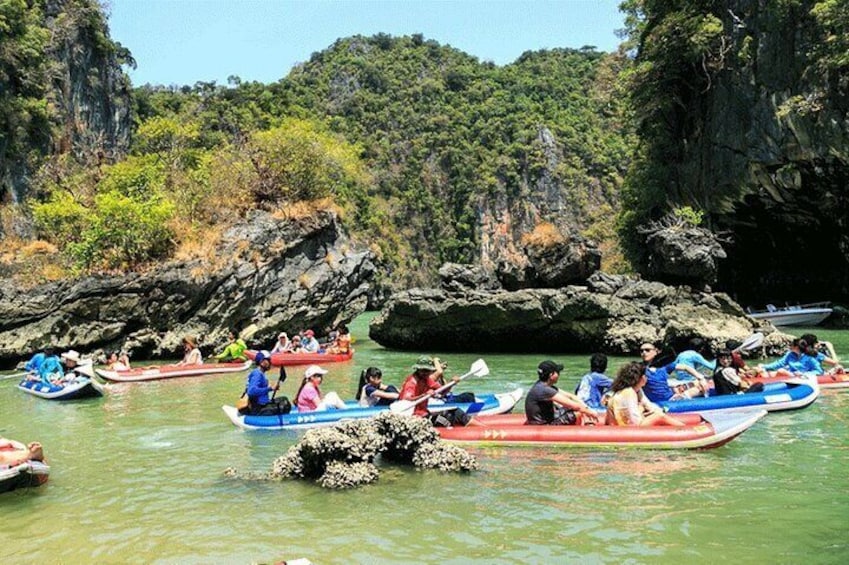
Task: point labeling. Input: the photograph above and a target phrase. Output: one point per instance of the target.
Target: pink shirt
(309, 398)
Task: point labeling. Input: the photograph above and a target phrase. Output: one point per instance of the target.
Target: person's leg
(660, 419)
(36, 453)
(332, 400)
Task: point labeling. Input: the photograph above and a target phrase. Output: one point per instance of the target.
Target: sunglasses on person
(646, 349)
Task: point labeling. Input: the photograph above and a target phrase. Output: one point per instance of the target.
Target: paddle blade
(752, 342)
(479, 368)
(402, 407)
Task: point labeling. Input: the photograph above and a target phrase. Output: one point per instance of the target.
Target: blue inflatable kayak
(82, 387)
(789, 395)
(486, 404)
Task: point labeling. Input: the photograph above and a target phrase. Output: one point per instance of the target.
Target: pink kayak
(153, 373)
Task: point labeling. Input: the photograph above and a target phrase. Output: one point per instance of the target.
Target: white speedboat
(801, 315)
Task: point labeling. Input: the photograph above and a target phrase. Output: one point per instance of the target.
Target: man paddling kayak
(419, 384)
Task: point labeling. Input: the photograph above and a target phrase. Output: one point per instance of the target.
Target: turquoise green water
(137, 478)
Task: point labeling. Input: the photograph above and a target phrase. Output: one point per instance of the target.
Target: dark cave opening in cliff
(789, 253)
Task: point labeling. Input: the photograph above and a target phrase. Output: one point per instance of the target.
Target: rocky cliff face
(278, 273)
(613, 314)
(773, 144)
(86, 92)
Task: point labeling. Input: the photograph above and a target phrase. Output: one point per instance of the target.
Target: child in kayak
(372, 391)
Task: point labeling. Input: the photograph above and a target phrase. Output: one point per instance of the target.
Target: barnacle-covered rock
(404, 435)
(343, 456)
(445, 457)
(289, 465)
(340, 475)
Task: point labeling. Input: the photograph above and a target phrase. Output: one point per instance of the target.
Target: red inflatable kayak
(827, 380)
(701, 432)
(287, 359)
(169, 371)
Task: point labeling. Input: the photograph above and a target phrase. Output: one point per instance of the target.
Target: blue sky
(185, 41)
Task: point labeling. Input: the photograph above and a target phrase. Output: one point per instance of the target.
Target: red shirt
(414, 388)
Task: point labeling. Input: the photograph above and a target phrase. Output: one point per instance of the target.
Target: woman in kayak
(372, 391)
(628, 406)
(657, 374)
(795, 362)
(192, 353)
(309, 397)
(15, 453)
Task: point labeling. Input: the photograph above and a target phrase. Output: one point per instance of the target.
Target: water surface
(137, 478)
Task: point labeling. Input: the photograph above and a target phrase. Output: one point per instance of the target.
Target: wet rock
(282, 274)
(343, 456)
(612, 314)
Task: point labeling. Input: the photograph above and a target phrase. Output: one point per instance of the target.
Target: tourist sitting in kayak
(726, 378)
(372, 391)
(815, 350)
(50, 370)
(73, 366)
(192, 354)
(628, 405)
(540, 402)
(34, 364)
(116, 361)
(14, 453)
(295, 345)
(694, 356)
(309, 396)
(282, 345)
(424, 379)
(257, 390)
(657, 386)
(342, 342)
(793, 363)
(235, 350)
(594, 384)
(308, 343)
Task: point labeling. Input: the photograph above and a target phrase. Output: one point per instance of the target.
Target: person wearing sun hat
(192, 355)
(309, 397)
(426, 376)
(545, 404)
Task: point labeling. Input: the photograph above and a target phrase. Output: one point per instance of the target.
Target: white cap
(313, 370)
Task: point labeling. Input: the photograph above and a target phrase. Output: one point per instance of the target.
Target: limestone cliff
(62, 89)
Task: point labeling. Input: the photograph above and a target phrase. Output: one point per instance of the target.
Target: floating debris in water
(343, 456)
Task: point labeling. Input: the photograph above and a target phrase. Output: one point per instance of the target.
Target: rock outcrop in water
(279, 273)
(613, 314)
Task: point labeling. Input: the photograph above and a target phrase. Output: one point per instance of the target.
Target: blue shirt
(695, 360)
(50, 367)
(33, 364)
(657, 383)
(796, 363)
(258, 388)
(592, 387)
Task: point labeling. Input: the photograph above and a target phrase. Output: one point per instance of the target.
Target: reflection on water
(138, 478)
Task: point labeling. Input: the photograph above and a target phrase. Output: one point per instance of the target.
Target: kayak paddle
(478, 369)
(14, 376)
(752, 342)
